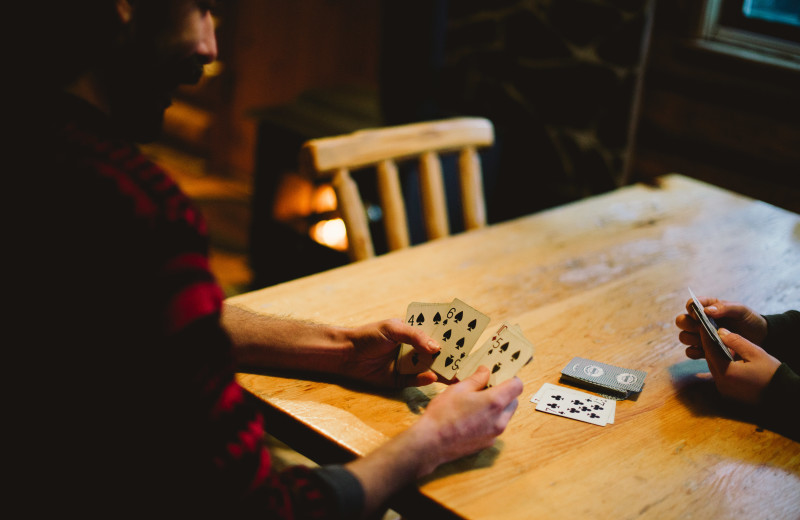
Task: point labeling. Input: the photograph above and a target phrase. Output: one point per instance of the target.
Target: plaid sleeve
(155, 418)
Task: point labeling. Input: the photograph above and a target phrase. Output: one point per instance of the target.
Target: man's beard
(141, 85)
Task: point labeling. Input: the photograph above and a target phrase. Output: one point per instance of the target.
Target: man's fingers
(691, 339)
(738, 344)
(422, 379)
(476, 381)
(695, 352)
(508, 412)
(719, 309)
(399, 332)
(687, 322)
(508, 391)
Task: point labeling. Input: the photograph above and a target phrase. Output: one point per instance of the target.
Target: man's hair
(77, 35)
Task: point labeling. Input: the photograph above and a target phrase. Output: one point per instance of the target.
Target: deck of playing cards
(608, 380)
(709, 324)
(457, 327)
(574, 404)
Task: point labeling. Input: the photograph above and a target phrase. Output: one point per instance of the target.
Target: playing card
(459, 330)
(610, 404)
(576, 405)
(709, 324)
(603, 377)
(504, 353)
(425, 317)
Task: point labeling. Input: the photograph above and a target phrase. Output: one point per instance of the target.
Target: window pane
(775, 11)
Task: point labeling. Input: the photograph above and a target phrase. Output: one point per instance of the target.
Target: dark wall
(727, 120)
(559, 79)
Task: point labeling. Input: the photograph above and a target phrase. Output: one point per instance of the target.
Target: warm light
(212, 69)
(324, 199)
(331, 233)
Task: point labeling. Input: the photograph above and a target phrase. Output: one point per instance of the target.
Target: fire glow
(330, 233)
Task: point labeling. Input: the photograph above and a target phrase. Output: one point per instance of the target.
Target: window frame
(724, 29)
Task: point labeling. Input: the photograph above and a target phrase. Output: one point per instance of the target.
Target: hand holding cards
(708, 324)
(503, 354)
(457, 327)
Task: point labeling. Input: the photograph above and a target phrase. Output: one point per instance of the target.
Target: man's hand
(462, 420)
(745, 378)
(374, 354)
(731, 315)
(467, 417)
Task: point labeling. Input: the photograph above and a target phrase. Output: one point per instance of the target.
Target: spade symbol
(515, 356)
(460, 343)
(496, 368)
(437, 318)
(448, 361)
(420, 319)
(471, 325)
(504, 347)
(459, 316)
(414, 358)
(447, 334)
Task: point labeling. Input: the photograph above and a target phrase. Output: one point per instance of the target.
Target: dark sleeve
(783, 337)
(303, 493)
(777, 412)
(346, 488)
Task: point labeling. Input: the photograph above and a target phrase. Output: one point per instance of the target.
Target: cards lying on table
(709, 324)
(609, 380)
(456, 326)
(574, 404)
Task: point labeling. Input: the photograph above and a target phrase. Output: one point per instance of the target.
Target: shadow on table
(696, 390)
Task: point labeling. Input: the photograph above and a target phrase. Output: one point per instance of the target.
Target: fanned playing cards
(457, 326)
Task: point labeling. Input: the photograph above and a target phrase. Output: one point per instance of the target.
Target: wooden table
(603, 278)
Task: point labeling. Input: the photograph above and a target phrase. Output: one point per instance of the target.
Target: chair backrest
(383, 148)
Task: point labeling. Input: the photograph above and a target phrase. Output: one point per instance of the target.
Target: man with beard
(134, 407)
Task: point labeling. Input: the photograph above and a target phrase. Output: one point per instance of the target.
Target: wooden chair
(383, 148)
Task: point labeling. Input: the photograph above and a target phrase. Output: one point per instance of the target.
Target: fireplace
(296, 229)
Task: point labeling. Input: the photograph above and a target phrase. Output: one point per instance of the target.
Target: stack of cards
(611, 381)
(709, 324)
(457, 327)
(574, 404)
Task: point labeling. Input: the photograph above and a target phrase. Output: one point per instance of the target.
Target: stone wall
(559, 79)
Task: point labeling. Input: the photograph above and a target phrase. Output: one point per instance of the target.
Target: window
(760, 29)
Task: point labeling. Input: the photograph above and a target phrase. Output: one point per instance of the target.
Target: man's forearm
(396, 464)
(275, 342)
